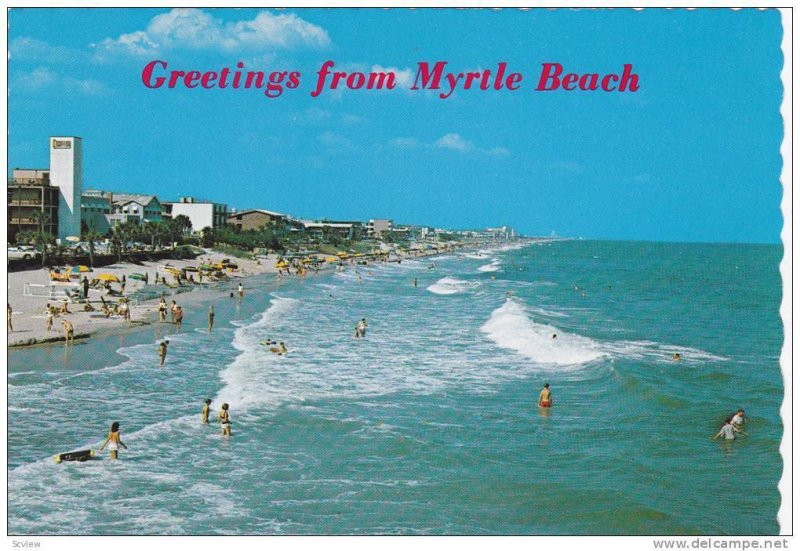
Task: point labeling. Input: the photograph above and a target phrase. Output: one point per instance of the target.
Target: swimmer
(225, 420)
(555, 336)
(545, 398)
(361, 327)
(113, 440)
(162, 351)
(282, 348)
(240, 290)
(737, 419)
(415, 283)
(210, 318)
(205, 411)
(267, 342)
(676, 357)
(728, 430)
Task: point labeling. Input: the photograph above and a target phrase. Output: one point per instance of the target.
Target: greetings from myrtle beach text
(437, 76)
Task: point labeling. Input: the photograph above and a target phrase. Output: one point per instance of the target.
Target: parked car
(83, 248)
(24, 252)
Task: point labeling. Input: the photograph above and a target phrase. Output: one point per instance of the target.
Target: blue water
(430, 424)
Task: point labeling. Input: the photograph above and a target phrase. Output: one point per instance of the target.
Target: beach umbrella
(80, 269)
(108, 277)
(140, 277)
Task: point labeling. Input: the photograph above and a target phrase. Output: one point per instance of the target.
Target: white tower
(66, 172)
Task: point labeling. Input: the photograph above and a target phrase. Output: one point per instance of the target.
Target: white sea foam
(511, 327)
(452, 286)
(493, 266)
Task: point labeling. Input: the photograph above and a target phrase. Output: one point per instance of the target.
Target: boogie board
(82, 455)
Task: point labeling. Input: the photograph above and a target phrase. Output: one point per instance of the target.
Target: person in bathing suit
(113, 440)
(225, 421)
(545, 398)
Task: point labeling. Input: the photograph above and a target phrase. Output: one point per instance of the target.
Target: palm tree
(42, 218)
(91, 237)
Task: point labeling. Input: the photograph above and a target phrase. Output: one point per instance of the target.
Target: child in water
(113, 440)
(205, 411)
(225, 421)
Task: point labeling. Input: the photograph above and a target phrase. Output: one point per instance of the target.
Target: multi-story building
(202, 214)
(66, 172)
(138, 208)
(30, 192)
(96, 208)
(254, 219)
(376, 227)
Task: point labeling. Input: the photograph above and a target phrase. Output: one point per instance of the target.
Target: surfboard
(82, 455)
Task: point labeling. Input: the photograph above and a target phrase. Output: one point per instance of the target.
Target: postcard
(361, 272)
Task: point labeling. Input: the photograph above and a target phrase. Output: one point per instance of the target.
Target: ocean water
(429, 425)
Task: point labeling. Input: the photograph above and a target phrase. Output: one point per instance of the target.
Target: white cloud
(194, 29)
(31, 49)
(451, 141)
(42, 78)
(402, 77)
(454, 141)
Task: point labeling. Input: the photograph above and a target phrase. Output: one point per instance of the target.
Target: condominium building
(30, 192)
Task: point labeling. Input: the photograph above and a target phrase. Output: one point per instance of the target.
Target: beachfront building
(137, 208)
(96, 208)
(325, 228)
(376, 227)
(66, 173)
(202, 214)
(254, 219)
(30, 192)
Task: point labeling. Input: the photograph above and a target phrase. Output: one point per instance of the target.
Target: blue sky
(693, 155)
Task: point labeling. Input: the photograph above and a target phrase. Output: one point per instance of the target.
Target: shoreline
(28, 316)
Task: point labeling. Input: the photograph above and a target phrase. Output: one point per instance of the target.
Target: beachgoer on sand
(69, 332)
(8, 317)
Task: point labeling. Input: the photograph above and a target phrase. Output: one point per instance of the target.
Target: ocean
(429, 424)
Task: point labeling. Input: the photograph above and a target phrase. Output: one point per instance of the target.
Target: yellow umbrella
(108, 277)
(80, 269)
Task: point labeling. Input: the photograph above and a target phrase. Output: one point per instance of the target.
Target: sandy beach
(29, 312)
(29, 317)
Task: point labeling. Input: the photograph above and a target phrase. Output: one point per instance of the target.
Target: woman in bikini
(113, 440)
(225, 421)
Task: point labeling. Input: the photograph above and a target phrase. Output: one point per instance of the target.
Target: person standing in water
(241, 291)
(225, 420)
(545, 398)
(205, 411)
(415, 283)
(162, 309)
(162, 351)
(737, 419)
(69, 332)
(113, 440)
(729, 431)
(362, 328)
(178, 317)
(210, 318)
